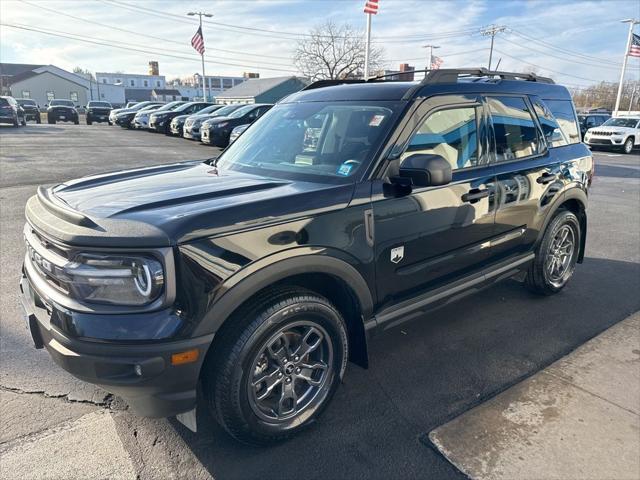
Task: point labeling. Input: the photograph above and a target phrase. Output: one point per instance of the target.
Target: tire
(77, 122)
(38, 120)
(88, 119)
(24, 122)
(627, 147)
(555, 260)
(239, 401)
(16, 124)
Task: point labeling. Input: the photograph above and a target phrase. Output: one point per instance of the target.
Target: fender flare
(573, 193)
(265, 272)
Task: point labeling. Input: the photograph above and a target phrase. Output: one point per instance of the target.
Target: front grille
(599, 141)
(47, 258)
(601, 134)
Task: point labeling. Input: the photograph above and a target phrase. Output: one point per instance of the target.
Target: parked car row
(212, 124)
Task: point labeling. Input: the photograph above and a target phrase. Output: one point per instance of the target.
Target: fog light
(184, 357)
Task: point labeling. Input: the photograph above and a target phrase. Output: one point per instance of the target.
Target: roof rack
(444, 75)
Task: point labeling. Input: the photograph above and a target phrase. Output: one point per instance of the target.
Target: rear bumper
(140, 372)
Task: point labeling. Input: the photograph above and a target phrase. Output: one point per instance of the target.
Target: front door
(435, 234)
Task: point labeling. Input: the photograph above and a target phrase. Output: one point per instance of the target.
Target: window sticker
(376, 120)
(345, 169)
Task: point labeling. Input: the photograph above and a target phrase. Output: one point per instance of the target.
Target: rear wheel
(628, 145)
(276, 366)
(556, 256)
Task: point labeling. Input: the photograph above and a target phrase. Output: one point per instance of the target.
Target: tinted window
(550, 128)
(565, 115)
(100, 104)
(4, 102)
(242, 111)
(30, 103)
(66, 103)
(452, 134)
(515, 131)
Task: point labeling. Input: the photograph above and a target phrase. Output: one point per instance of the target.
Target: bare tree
(333, 51)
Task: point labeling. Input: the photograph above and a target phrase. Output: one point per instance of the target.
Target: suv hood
(171, 204)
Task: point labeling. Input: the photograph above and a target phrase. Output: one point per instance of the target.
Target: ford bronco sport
(349, 207)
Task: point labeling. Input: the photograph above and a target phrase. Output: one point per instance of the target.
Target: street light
(200, 15)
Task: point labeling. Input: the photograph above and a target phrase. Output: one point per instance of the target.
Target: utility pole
(633, 94)
(200, 15)
(631, 22)
(492, 31)
(430, 56)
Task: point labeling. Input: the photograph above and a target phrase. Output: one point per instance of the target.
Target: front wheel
(628, 145)
(276, 366)
(556, 255)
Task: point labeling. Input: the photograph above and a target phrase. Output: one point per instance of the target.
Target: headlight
(115, 279)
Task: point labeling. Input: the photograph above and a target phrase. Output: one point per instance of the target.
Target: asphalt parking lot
(421, 374)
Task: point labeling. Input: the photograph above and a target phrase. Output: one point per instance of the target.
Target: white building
(131, 80)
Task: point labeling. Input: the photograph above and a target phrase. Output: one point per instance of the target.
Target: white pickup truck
(620, 133)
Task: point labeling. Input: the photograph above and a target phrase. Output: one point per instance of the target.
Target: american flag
(371, 7)
(197, 41)
(634, 50)
(436, 62)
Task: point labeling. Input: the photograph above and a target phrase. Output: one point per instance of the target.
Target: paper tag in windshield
(376, 120)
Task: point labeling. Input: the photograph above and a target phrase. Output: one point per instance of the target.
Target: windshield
(621, 122)
(241, 111)
(225, 111)
(168, 106)
(141, 105)
(316, 141)
(66, 103)
(23, 102)
(99, 104)
(209, 109)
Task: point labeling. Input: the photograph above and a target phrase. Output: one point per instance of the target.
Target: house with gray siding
(262, 90)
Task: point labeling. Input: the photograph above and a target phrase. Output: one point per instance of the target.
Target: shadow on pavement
(617, 172)
(427, 371)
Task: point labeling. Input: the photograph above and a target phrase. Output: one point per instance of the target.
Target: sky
(578, 43)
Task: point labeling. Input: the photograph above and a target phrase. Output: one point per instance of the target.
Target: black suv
(98, 111)
(348, 208)
(217, 131)
(161, 121)
(62, 111)
(591, 120)
(11, 112)
(31, 109)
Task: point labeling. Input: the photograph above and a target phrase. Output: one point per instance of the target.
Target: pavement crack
(106, 401)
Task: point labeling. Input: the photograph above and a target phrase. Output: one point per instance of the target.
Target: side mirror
(426, 170)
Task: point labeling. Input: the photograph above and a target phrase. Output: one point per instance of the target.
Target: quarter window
(550, 128)
(566, 116)
(451, 134)
(516, 134)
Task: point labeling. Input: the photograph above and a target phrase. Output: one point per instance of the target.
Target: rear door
(528, 172)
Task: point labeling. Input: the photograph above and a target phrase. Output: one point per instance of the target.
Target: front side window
(451, 134)
(315, 141)
(516, 134)
(550, 128)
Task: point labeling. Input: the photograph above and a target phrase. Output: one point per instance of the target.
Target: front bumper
(158, 125)
(140, 372)
(604, 141)
(141, 123)
(124, 122)
(176, 129)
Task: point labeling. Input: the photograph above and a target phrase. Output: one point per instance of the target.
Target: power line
(133, 49)
(492, 31)
(545, 68)
(40, 7)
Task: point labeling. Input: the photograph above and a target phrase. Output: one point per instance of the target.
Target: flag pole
(631, 22)
(200, 14)
(367, 47)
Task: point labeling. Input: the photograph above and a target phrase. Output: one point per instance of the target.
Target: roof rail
(329, 83)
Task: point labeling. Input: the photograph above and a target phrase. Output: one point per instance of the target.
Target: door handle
(475, 194)
(546, 178)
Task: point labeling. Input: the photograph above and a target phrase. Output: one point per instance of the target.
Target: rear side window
(550, 128)
(515, 130)
(565, 115)
(452, 134)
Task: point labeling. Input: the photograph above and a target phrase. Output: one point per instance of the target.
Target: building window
(73, 96)
(26, 94)
(118, 80)
(157, 83)
(101, 95)
(132, 83)
(146, 83)
(104, 80)
(50, 96)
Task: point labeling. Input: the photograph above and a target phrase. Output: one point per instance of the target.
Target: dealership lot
(422, 373)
